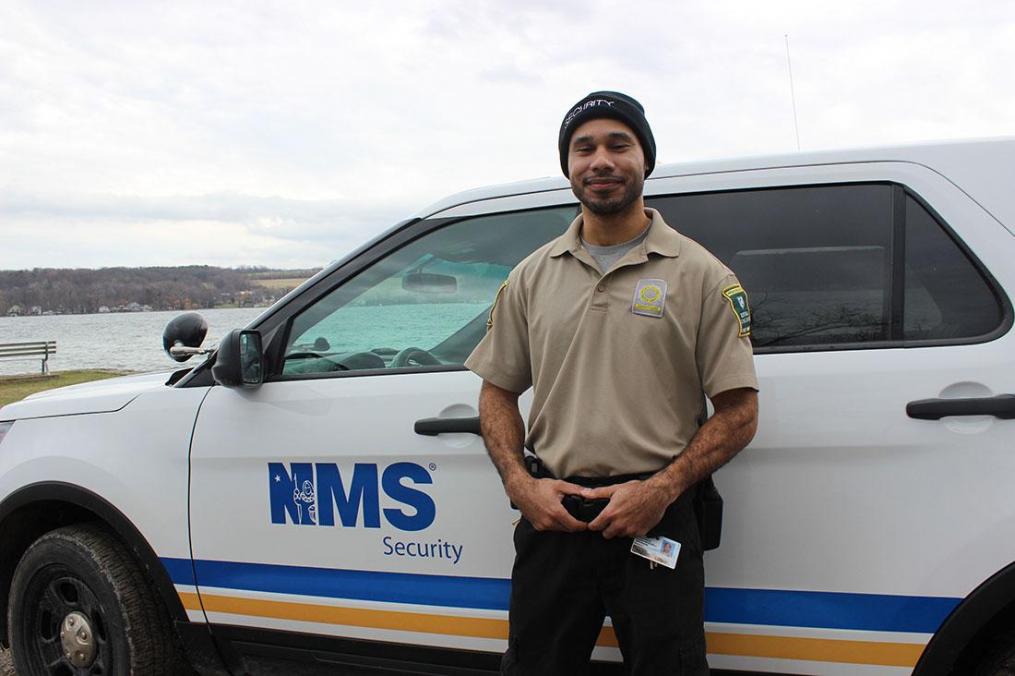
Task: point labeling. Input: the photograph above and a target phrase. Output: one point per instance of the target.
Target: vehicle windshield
(424, 305)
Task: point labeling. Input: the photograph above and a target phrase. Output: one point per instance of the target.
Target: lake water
(130, 341)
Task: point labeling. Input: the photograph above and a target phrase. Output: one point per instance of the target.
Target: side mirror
(429, 282)
(186, 331)
(239, 360)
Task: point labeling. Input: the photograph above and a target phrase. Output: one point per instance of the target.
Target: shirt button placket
(600, 297)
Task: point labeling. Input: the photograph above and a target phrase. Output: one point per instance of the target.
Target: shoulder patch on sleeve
(493, 308)
(737, 298)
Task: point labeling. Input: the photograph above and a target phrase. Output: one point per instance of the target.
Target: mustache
(600, 177)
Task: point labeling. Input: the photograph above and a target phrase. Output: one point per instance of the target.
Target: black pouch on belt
(707, 502)
(708, 510)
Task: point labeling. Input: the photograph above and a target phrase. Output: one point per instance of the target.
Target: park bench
(39, 349)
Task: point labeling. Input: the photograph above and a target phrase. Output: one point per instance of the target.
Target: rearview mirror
(429, 282)
(239, 360)
(183, 336)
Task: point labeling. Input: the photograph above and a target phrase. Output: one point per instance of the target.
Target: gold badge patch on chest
(649, 297)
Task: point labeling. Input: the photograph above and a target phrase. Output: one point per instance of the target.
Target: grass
(290, 283)
(13, 388)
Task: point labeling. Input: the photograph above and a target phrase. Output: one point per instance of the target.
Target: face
(607, 166)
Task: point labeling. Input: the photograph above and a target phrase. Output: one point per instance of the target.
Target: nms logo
(310, 494)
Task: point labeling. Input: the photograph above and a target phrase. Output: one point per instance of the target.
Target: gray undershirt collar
(606, 256)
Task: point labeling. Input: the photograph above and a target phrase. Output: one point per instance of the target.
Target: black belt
(708, 503)
(577, 506)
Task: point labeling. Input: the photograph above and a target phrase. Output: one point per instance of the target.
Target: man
(622, 326)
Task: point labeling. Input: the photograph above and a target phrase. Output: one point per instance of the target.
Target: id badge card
(662, 551)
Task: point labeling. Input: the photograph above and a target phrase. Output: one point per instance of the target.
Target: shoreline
(134, 312)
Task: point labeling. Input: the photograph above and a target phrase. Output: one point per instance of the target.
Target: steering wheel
(417, 355)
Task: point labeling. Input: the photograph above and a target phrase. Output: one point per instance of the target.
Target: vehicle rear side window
(946, 296)
(815, 261)
(818, 264)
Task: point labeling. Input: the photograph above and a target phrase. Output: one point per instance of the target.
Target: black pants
(564, 584)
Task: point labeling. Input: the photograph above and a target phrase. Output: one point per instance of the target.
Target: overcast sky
(286, 133)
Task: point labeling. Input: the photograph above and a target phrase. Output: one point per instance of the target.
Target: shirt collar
(661, 239)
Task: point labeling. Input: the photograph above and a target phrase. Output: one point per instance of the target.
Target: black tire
(85, 569)
(1000, 661)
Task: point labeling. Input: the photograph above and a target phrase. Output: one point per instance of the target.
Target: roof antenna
(792, 93)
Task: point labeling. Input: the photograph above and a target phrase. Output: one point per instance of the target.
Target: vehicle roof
(980, 167)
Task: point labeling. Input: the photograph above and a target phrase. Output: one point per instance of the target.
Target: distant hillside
(78, 291)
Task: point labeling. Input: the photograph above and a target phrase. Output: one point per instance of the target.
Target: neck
(607, 230)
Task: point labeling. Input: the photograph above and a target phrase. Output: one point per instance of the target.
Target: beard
(608, 206)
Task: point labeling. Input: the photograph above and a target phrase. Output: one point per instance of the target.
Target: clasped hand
(634, 507)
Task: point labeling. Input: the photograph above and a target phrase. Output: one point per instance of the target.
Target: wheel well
(35, 510)
(23, 527)
(988, 612)
(999, 628)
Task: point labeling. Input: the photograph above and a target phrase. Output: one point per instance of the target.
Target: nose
(601, 160)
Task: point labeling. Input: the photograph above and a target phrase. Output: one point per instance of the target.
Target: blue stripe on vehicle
(777, 607)
(181, 571)
(429, 590)
(827, 610)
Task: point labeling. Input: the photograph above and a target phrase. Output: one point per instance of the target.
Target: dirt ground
(6, 668)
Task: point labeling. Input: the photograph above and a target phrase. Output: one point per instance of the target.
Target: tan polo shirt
(618, 361)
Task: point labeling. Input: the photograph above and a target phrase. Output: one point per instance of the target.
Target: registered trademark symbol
(433, 466)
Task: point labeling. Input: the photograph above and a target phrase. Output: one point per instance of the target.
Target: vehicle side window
(818, 264)
(815, 261)
(946, 296)
(424, 305)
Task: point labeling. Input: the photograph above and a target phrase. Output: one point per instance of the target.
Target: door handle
(431, 427)
(1002, 406)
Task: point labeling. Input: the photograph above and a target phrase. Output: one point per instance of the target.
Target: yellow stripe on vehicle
(719, 643)
(429, 623)
(815, 649)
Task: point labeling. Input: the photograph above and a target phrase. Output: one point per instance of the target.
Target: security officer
(622, 326)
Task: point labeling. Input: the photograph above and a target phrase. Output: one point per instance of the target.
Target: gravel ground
(6, 668)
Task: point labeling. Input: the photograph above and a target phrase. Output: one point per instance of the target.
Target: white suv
(315, 496)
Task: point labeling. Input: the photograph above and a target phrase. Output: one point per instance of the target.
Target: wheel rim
(66, 627)
(77, 640)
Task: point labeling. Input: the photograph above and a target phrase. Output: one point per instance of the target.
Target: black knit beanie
(613, 105)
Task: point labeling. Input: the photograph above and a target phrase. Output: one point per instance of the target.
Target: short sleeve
(724, 353)
(502, 356)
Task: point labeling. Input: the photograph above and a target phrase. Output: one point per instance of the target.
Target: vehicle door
(852, 528)
(350, 495)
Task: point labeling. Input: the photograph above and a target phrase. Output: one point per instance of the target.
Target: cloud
(104, 243)
(225, 207)
(223, 229)
(289, 122)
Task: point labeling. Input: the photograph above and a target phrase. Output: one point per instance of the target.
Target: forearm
(722, 436)
(503, 432)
